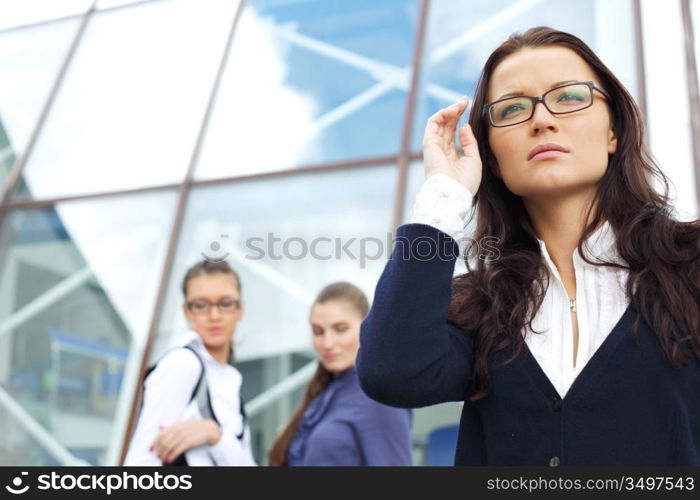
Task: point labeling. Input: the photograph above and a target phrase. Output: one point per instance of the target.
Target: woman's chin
(335, 366)
(216, 342)
(552, 187)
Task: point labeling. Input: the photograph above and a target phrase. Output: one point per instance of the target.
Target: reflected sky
(311, 82)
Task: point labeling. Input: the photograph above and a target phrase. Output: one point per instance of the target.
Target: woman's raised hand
(440, 154)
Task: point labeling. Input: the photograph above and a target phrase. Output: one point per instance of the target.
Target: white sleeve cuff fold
(229, 450)
(443, 203)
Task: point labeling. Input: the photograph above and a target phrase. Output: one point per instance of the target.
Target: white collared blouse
(166, 400)
(601, 299)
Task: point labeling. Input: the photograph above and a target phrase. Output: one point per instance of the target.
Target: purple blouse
(343, 426)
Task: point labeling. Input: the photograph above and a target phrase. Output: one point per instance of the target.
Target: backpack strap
(200, 393)
(244, 419)
(198, 387)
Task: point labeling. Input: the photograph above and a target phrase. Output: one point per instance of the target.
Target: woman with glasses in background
(192, 413)
(574, 336)
(336, 423)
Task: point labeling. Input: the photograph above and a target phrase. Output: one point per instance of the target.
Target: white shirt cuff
(443, 203)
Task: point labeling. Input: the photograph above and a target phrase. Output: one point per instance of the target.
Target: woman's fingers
(468, 142)
(176, 448)
(157, 443)
(450, 114)
(166, 452)
(176, 439)
(441, 125)
(164, 441)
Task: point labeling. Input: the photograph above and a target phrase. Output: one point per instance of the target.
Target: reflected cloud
(260, 123)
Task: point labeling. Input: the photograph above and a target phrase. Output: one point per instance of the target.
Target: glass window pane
(20, 12)
(17, 446)
(78, 283)
(462, 34)
(311, 82)
(286, 250)
(130, 108)
(29, 62)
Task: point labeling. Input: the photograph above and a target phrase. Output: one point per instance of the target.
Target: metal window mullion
(693, 91)
(177, 225)
(275, 174)
(639, 60)
(407, 132)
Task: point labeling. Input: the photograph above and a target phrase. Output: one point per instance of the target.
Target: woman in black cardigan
(574, 337)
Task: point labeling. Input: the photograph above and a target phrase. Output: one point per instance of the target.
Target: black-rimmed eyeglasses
(202, 307)
(560, 100)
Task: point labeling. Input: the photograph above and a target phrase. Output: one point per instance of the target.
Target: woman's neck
(560, 224)
(219, 354)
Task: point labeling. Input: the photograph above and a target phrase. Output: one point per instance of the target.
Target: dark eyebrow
(221, 297)
(520, 93)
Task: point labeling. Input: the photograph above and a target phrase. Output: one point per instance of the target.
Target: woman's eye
(341, 328)
(570, 96)
(511, 109)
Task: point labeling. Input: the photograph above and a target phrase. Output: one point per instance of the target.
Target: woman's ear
(612, 142)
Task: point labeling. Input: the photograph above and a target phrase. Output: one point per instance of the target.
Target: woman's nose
(542, 119)
(327, 341)
(214, 311)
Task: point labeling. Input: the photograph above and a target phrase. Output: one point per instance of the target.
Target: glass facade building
(138, 137)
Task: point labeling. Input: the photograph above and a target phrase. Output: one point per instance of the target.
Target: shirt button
(554, 462)
(556, 405)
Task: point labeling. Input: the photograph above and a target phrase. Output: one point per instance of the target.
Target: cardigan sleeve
(410, 356)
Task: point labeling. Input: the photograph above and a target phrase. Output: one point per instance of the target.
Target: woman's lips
(548, 155)
(536, 153)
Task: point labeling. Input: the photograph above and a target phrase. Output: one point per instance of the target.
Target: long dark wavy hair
(343, 291)
(497, 299)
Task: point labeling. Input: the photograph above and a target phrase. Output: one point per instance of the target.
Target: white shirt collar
(193, 339)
